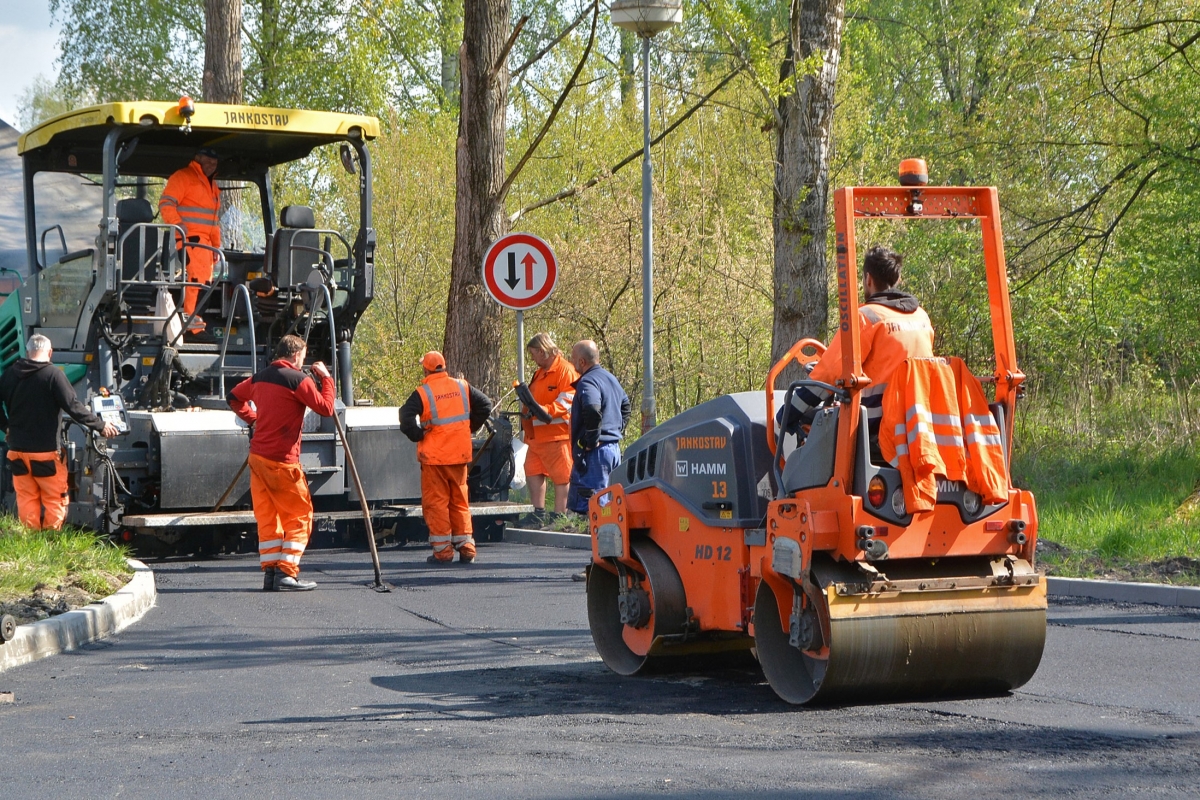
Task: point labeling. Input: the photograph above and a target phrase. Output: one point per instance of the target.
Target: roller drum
(908, 645)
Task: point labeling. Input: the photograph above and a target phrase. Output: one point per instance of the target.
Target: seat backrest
(142, 246)
(288, 265)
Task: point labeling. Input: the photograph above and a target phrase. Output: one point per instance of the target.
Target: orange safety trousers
(447, 513)
(200, 270)
(283, 509)
(40, 481)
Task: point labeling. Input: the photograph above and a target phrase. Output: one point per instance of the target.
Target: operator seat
(133, 211)
(141, 248)
(287, 265)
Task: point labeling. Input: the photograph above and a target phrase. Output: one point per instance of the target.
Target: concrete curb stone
(1122, 592)
(571, 541)
(73, 629)
(1114, 591)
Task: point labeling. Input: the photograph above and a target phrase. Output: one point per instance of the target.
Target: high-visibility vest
(551, 388)
(928, 405)
(446, 420)
(887, 337)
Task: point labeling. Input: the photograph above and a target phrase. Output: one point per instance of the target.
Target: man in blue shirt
(599, 415)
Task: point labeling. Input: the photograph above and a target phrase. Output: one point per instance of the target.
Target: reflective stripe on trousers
(283, 510)
(447, 513)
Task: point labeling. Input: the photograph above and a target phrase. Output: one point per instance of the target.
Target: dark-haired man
(273, 401)
(892, 326)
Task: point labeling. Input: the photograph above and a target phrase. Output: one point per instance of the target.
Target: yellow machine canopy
(248, 139)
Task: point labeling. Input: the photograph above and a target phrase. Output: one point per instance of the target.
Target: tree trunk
(269, 41)
(472, 342)
(802, 174)
(222, 51)
(628, 69)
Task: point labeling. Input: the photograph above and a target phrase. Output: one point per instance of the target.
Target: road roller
(728, 528)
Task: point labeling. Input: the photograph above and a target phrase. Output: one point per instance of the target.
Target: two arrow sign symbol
(512, 280)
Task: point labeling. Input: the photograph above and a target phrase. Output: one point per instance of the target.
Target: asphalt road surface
(481, 681)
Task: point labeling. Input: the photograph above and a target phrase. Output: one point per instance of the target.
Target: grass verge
(30, 560)
(1112, 495)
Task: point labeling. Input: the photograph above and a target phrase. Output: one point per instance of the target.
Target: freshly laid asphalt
(481, 681)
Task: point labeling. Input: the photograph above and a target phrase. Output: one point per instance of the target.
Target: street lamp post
(647, 18)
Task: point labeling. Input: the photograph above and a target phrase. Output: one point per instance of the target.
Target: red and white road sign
(520, 271)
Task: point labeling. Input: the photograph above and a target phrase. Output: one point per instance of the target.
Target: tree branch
(608, 173)
(566, 32)
(562, 98)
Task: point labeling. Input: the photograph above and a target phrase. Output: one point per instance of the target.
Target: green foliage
(29, 559)
(1082, 113)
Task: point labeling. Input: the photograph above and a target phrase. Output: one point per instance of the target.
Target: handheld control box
(111, 409)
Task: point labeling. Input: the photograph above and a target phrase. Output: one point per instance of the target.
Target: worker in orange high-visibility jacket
(440, 417)
(192, 201)
(546, 422)
(892, 327)
(929, 404)
(273, 402)
(33, 395)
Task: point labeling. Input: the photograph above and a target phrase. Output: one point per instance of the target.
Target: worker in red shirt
(440, 417)
(273, 401)
(192, 201)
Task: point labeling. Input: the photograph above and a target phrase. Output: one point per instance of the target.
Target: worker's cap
(207, 151)
(433, 361)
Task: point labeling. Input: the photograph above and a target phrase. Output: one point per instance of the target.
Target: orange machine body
(854, 597)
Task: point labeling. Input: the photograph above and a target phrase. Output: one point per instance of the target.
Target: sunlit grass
(1112, 490)
(29, 559)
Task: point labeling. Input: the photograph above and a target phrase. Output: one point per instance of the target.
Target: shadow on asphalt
(577, 688)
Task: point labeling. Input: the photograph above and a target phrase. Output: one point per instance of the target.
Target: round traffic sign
(520, 271)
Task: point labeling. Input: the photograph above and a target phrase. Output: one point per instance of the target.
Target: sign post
(520, 272)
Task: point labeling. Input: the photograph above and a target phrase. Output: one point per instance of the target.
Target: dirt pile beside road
(46, 601)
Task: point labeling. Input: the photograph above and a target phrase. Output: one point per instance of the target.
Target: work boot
(269, 579)
(533, 521)
(465, 559)
(286, 583)
(438, 561)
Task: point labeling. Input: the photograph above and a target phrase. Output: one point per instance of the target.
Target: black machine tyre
(794, 676)
(668, 614)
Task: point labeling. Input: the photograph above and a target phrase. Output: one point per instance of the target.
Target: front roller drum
(919, 645)
(652, 603)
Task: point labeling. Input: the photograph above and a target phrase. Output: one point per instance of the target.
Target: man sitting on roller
(892, 327)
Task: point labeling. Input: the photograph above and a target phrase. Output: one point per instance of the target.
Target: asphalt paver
(481, 681)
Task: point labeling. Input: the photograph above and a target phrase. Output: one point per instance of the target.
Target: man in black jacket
(33, 395)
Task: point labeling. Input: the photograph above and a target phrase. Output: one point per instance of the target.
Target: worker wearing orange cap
(440, 417)
(192, 201)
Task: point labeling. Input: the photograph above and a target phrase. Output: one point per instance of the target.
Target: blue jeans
(589, 474)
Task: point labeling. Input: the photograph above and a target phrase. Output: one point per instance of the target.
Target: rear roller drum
(627, 613)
